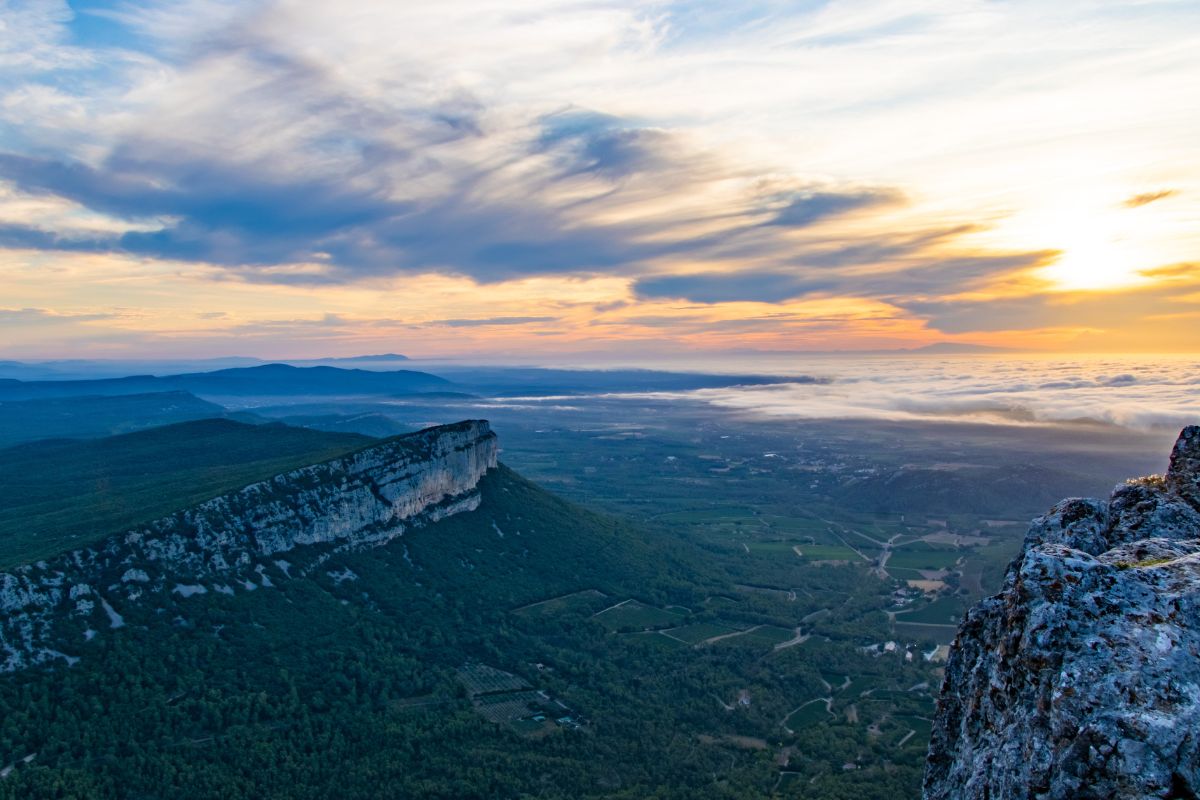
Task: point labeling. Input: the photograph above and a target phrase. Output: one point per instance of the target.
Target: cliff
(1081, 678)
(236, 542)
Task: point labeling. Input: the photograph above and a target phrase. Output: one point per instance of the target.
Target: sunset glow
(282, 179)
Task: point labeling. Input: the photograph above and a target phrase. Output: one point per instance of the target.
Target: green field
(636, 616)
(808, 715)
(942, 634)
(828, 552)
(808, 551)
(692, 634)
(920, 555)
(764, 636)
(708, 515)
(921, 725)
(578, 602)
(943, 611)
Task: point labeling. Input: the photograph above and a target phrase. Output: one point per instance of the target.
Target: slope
(60, 494)
(90, 416)
(344, 683)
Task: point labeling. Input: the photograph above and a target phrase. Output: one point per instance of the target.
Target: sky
(574, 179)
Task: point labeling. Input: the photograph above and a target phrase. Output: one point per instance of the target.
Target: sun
(1100, 249)
(1093, 263)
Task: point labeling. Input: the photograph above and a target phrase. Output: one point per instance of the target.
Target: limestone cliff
(1081, 678)
(236, 542)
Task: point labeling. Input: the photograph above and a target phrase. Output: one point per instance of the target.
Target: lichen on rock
(1081, 678)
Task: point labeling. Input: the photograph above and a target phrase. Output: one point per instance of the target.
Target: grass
(62, 494)
(1149, 562)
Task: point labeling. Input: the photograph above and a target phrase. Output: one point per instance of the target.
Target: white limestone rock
(1081, 678)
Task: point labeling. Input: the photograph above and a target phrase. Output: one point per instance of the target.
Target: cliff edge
(275, 529)
(1081, 678)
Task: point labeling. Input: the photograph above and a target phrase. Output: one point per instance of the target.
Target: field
(480, 679)
(694, 634)
(941, 634)
(632, 615)
(920, 555)
(943, 611)
(811, 713)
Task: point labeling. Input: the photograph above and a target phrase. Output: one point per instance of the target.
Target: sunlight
(1100, 250)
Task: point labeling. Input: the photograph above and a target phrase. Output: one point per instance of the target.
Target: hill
(268, 380)
(292, 639)
(60, 494)
(89, 417)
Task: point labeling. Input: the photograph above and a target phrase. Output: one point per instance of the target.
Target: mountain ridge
(263, 379)
(365, 498)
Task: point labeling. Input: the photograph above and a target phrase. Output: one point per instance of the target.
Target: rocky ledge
(236, 542)
(1081, 678)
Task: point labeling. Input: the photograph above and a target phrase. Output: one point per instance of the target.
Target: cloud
(264, 158)
(812, 207)
(944, 276)
(488, 321)
(1128, 308)
(1149, 394)
(22, 317)
(651, 143)
(1146, 198)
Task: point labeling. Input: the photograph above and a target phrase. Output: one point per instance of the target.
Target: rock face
(236, 542)
(1081, 678)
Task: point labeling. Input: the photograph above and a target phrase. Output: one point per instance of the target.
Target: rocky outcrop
(1081, 678)
(237, 542)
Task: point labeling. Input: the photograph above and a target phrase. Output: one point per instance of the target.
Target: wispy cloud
(1146, 198)
(489, 321)
(768, 153)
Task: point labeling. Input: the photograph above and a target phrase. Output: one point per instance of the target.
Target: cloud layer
(1141, 393)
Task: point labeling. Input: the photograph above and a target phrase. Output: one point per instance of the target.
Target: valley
(684, 603)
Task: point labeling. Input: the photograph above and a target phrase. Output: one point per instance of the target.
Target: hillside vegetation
(60, 494)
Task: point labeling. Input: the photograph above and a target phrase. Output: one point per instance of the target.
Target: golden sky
(580, 177)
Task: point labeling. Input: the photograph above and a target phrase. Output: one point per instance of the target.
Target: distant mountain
(92, 416)
(956, 348)
(88, 369)
(350, 359)
(539, 380)
(268, 380)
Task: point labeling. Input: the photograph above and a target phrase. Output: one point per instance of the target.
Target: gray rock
(1081, 678)
(366, 498)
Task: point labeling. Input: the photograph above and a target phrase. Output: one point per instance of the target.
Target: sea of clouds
(1140, 393)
